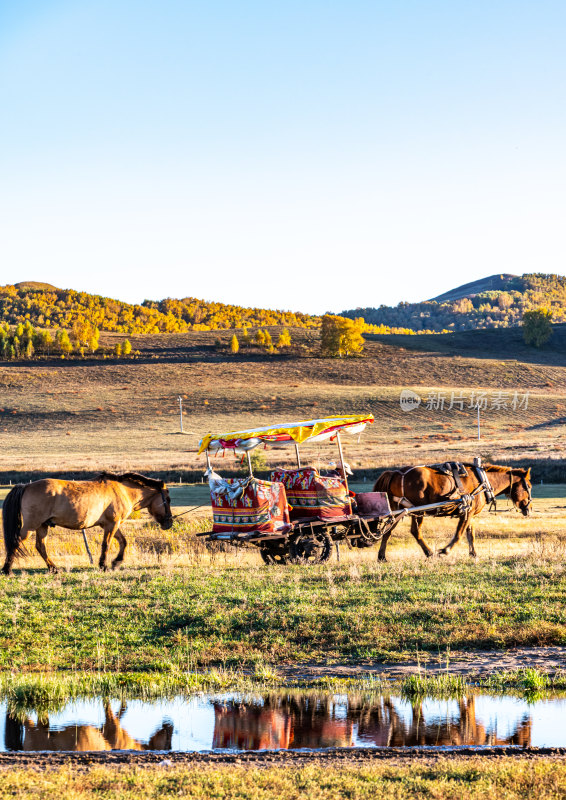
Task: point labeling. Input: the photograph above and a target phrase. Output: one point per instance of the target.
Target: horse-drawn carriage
(297, 515)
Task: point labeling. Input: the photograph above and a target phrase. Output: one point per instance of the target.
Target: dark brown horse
(104, 502)
(417, 486)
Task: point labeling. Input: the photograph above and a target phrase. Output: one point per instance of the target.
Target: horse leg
(109, 532)
(416, 525)
(384, 540)
(122, 542)
(40, 535)
(471, 540)
(462, 525)
(10, 557)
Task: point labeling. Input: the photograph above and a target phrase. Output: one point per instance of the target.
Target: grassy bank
(445, 779)
(232, 615)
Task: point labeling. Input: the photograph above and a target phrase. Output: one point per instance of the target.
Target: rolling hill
(498, 301)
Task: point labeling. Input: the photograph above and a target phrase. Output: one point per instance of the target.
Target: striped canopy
(299, 432)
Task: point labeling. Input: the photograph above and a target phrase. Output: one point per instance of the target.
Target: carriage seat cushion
(312, 495)
(261, 506)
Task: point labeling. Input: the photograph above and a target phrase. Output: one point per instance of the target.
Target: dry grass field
(448, 778)
(68, 416)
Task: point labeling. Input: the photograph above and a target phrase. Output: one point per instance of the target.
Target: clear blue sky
(306, 155)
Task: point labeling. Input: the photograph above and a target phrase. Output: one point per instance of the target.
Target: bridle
(167, 506)
(523, 481)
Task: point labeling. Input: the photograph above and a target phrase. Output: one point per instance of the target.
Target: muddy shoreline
(343, 756)
(470, 664)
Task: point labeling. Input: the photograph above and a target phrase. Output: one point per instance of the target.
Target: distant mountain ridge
(498, 301)
(494, 283)
(492, 302)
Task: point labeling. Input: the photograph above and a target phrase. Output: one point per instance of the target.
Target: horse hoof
(442, 552)
(382, 559)
(103, 567)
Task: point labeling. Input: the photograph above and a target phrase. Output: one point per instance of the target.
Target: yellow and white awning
(298, 432)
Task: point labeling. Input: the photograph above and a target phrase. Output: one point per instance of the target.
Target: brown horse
(104, 502)
(414, 486)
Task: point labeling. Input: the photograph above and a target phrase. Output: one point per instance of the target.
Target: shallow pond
(287, 720)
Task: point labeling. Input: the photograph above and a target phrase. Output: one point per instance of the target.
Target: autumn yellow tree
(234, 345)
(341, 336)
(64, 342)
(284, 339)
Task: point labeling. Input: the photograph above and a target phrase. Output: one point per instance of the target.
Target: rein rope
(188, 511)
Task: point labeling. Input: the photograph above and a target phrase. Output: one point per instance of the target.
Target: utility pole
(181, 412)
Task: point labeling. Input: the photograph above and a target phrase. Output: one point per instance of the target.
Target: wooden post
(298, 456)
(181, 412)
(479, 434)
(248, 456)
(343, 469)
(207, 459)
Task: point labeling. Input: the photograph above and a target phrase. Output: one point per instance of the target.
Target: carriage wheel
(274, 554)
(310, 548)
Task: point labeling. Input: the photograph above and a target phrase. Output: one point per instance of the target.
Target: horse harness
(456, 470)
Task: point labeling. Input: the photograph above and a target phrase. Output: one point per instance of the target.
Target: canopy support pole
(298, 456)
(207, 459)
(343, 468)
(248, 456)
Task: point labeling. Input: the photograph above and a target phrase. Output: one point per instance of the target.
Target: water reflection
(304, 722)
(28, 735)
(287, 720)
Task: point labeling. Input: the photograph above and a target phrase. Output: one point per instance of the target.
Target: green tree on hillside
(537, 326)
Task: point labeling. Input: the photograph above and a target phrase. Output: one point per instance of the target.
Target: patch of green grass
(444, 779)
(442, 686)
(176, 619)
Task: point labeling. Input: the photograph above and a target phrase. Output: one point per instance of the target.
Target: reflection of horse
(105, 502)
(382, 725)
(417, 486)
(28, 735)
(307, 722)
(280, 723)
(250, 727)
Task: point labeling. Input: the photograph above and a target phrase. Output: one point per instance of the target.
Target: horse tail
(12, 520)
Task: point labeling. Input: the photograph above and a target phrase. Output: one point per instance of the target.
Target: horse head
(520, 490)
(160, 508)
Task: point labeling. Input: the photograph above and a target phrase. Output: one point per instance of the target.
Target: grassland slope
(496, 302)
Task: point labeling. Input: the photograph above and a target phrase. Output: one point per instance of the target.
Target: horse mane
(499, 468)
(132, 477)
